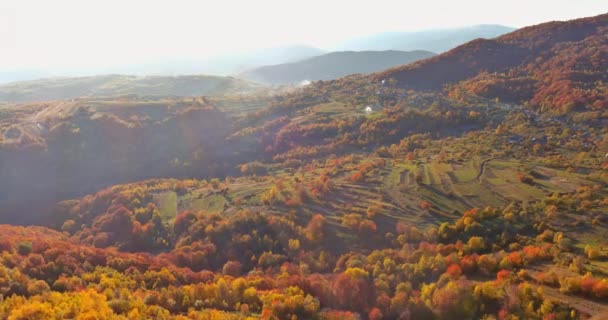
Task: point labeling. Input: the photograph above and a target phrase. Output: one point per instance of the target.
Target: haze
(72, 35)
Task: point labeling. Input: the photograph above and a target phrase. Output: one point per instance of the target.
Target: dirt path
(482, 167)
(596, 310)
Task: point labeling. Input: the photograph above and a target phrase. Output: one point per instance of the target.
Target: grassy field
(396, 190)
(170, 204)
(167, 204)
(238, 105)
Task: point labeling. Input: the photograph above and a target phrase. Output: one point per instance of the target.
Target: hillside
(121, 85)
(332, 66)
(233, 63)
(472, 217)
(366, 197)
(440, 40)
(553, 66)
(71, 147)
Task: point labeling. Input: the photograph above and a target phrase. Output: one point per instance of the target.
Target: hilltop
(439, 40)
(122, 85)
(332, 66)
(552, 66)
(217, 65)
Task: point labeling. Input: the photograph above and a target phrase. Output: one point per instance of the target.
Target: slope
(439, 40)
(121, 85)
(332, 66)
(555, 65)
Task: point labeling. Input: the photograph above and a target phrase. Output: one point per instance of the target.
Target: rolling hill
(439, 40)
(217, 65)
(332, 66)
(261, 57)
(365, 197)
(121, 85)
(555, 65)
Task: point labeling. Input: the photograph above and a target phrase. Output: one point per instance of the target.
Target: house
(540, 140)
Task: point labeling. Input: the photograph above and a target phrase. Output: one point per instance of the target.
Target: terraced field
(396, 191)
(461, 186)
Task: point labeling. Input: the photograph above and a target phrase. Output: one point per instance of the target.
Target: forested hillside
(471, 185)
(556, 65)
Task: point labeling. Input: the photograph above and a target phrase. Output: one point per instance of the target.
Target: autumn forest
(471, 184)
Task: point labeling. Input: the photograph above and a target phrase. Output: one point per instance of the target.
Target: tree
(592, 252)
(453, 301)
(356, 176)
(502, 275)
(475, 244)
(454, 271)
(352, 289)
(375, 314)
(600, 289)
(425, 205)
(272, 196)
(232, 268)
(314, 229)
(24, 248)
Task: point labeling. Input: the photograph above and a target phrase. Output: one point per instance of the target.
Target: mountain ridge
(333, 65)
(559, 58)
(113, 85)
(434, 40)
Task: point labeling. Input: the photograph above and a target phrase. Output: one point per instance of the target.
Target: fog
(67, 38)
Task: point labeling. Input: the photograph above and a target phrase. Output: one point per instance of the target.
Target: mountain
(229, 64)
(267, 56)
(121, 85)
(439, 40)
(218, 65)
(385, 196)
(555, 65)
(332, 66)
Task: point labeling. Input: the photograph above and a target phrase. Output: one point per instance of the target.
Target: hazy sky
(78, 33)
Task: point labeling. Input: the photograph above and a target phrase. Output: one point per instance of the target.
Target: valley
(472, 184)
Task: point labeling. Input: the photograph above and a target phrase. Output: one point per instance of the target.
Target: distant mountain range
(438, 40)
(332, 66)
(231, 64)
(121, 85)
(222, 65)
(236, 63)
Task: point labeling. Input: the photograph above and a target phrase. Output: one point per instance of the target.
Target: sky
(37, 34)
